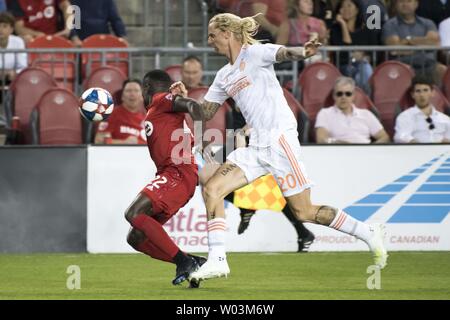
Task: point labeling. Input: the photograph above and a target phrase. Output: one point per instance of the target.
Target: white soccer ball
(96, 104)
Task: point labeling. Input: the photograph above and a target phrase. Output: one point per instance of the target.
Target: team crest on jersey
(242, 65)
(148, 128)
(169, 97)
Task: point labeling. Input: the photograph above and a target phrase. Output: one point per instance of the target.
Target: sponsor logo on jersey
(148, 128)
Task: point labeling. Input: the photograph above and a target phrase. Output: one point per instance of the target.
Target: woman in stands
(350, 30)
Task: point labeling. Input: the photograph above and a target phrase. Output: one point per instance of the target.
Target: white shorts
(281, 159)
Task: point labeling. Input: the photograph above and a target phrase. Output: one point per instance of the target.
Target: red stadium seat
(316, 82)
(174, 72)
(446, 84)
(25, 91)
(93, 61)
(61, 66)
(108, 78)
(220, 119)
(300, 114)
(389, 82)
(56, 120)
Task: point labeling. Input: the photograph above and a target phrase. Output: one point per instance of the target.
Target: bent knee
(135, 237)
(212, 191)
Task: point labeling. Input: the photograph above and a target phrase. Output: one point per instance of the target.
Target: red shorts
(171, 190)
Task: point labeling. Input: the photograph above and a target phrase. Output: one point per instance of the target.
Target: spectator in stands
(241, 8)
(3, 5)
(344, 122)
(435, 10)
(350, 30)
(10, 63)
(444, 32)
(301, 25)
(324, 10)
(35, 18)
(408, 29)
(126, 123)
(97, 17)
(273, 13)
(381, 4)
(422, 123)
(192, 72)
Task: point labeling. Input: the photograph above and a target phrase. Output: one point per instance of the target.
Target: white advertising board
(405, 187)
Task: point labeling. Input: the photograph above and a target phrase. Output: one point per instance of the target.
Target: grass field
(409, 275)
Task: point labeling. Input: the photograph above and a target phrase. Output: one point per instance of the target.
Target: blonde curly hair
(244, 29)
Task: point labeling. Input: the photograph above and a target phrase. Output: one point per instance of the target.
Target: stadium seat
(61, 66)
(174, 72)
(446, 84)
(316, 82)
(25, 92)
(389, 82)
(300, 114)
(92, 61)
(108, 78)
(56, 119)
(221, 119)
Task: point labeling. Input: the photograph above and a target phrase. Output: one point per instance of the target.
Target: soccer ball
(96, 104)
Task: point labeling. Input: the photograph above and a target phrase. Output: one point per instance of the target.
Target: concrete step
(154, 36)
(151, 12)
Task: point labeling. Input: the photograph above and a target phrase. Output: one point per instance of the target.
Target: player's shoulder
(162, 99)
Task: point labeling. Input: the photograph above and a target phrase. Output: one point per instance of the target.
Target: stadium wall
(43, 199)
(407, 187)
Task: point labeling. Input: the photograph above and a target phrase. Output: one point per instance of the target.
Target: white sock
(347, 224)
(216, 238)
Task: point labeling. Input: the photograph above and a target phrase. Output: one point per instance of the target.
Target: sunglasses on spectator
(341, 93)
(430, 122)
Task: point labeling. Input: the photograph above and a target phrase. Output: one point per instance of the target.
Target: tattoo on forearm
(210, 109)
(290, 54)
(227, 170)
(325, 215)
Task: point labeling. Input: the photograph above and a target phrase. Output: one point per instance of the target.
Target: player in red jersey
(176, 173)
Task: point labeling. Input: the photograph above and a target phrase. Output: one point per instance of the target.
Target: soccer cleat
(213, 268)
(376, 245)
(305, 242)
(245, 221)
(194, 283)
(184, 270)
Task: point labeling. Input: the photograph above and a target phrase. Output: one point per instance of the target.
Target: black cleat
(194, 283)
(245, 221)
(184, 270)
(305, 242)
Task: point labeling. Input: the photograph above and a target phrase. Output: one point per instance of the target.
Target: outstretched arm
(298, 53)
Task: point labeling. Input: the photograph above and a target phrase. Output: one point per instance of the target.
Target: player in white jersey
(249, 79)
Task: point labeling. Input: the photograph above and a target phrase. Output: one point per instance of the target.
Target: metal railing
(168, 12)
(142, 59)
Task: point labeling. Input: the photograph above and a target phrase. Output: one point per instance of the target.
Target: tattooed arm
(210, 109)
(298, 53)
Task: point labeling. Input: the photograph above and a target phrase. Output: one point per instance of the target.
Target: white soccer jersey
(252, 83)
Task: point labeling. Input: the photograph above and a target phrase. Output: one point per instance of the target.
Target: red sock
(155, 234)
(151, 250)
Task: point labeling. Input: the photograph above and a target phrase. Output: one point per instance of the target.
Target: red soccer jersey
(167, 140)
(38, 15)
(122, 124)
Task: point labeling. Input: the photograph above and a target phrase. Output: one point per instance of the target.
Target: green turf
(409, 275)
